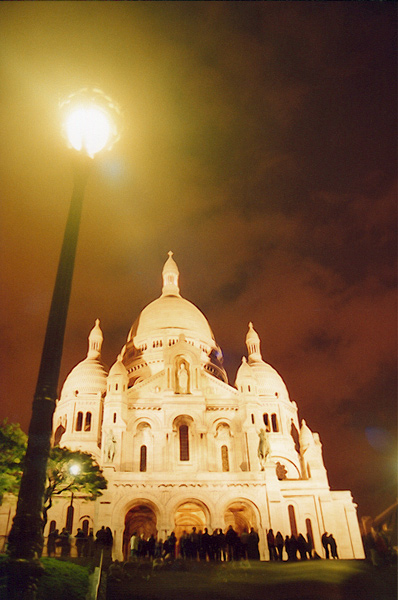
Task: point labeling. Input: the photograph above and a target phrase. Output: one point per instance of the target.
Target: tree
(67, 470)
(12, 451)
(72, 471)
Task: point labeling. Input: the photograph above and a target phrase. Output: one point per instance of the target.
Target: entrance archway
(140, 519)
(241, 516)
(188, 515)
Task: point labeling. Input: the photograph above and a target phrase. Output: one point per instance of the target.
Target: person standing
(194, 545)
(207, 545)
(244, 541)
(302, 546)
(279, 543)
(90, 544)
(65, 542)
(184, 545)
(325, 543)
(172, 540)
(52, 543)
(291, 547)
(271, 545)
(333, 546)
(151, 547)
(222, 545)
(134, 542)
(231, 540)
(80, 542)
(252, 545)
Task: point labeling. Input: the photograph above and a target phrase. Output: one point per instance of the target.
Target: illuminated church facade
(181, 447)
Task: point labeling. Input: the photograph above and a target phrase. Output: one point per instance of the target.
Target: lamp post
(74, 470)
(90, 124)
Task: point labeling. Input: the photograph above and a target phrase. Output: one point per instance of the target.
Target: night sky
(259, 145)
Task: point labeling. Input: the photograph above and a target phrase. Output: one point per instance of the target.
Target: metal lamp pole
(25, 542)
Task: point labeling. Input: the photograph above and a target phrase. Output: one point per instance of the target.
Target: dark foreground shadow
(309, 580)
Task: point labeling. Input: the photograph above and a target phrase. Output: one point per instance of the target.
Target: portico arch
(241, 514)
(141, 519)
(189, 514)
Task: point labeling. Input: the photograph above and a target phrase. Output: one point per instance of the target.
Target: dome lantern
(95, 340)
(253, 345)
(170, 275)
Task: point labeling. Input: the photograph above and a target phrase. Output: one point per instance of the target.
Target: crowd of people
(86, 545)
(219, 546)
(198, 545)
(195, 545)
(298, 547)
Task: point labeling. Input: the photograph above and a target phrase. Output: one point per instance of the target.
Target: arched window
(87, 422)
(79, 421)
(85, 526)
(58, 434)
(184, 442)
(274, 421)
(292, 520)
(69, 518)
(143, 459)
(224, 458)
(253, 419)
(266, 421)
(114, 417)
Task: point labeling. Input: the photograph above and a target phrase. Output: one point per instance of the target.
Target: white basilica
(182, 447)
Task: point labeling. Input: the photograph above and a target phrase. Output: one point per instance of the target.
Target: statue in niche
(263, 450)
(110, 447)
(223, 431)
(182, 379)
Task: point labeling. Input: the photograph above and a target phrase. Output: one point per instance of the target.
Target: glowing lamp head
(74, 469)
(90, 121)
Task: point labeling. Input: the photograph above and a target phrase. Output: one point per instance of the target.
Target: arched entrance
(241, 516)
(140, 519)
(188, 515)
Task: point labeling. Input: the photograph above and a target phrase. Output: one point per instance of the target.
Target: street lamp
(74, 470)
(90, 123)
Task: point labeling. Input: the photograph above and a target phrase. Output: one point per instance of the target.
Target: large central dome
(171, 314)
(162, 322)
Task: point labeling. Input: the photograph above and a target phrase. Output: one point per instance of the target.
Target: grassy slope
(320, 580)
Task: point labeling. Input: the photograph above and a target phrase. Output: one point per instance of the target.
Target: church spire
(95, 340)
(170, 275)
(253, 345)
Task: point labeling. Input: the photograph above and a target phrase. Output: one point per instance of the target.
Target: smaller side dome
(89, 375)
(269, 382)
(118, 369)
(244, 371)
(245, 378)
